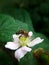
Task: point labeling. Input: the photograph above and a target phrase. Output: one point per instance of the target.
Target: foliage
(4, 58)
(9, 26)
(20, 14)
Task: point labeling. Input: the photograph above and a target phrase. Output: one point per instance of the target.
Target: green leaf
(29, 59)
(8, 26)
(20, 14)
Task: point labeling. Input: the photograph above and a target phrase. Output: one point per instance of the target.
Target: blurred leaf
(20, 14)
(9, 26)
(5, 59)
(40, 18)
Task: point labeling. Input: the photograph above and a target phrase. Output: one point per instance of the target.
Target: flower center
(23, 40)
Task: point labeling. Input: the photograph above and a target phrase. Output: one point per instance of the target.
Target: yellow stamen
(23, 41)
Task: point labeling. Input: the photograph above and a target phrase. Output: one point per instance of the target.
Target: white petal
(21, 52)
(27, 49)
(30, 33)
(15, 37)
(35, 42)
(11, 45)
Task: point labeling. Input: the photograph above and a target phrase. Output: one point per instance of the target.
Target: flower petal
(21, 52)
(30, 33)
(15, 37)
(27, 49)
(35, 42)
(11, 45)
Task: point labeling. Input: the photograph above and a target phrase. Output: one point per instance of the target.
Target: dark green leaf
(20, 14)
(5, 59)
(9, 26)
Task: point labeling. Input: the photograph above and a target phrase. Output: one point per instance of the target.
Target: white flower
(22, 44)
